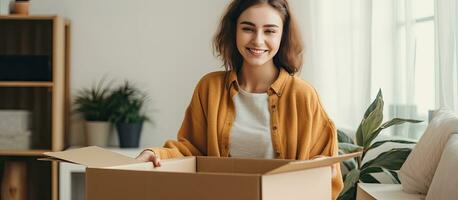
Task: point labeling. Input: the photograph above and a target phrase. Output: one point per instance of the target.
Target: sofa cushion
(418, 170)
(445, 181)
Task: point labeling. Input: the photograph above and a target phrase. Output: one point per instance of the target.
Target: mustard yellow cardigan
(300, 127)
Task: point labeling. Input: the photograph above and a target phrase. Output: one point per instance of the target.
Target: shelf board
(26, 84)
(28, 17)
(31, 152)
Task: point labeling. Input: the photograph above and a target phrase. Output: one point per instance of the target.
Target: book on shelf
(25, 67)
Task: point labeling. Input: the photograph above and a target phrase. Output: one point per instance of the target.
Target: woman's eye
(248, 29)
(270, 31)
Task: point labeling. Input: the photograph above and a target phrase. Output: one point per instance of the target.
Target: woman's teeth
(256, 51)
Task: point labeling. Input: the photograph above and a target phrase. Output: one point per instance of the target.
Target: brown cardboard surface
(298, 185)
(186, 164)
(98, 157)
(113, 184)
(110, 184)
(145, 166)
(111, 176)
(309, 164)
(92, 156)
(238, 165)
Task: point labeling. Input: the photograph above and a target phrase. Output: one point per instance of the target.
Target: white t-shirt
(250, 134)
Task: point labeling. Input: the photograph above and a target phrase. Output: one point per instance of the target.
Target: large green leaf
(395, 121)
(350, 164)
(373, 105)
(349, 148)
(366, 177)
(395, 175)
(359, 134)
(377, 144)
(392, 159)
(392, 174)
(366, 174)
(342, 137)
(371, 108)
(348, 195)
(371, 121)
(370, 170)
(350, 180)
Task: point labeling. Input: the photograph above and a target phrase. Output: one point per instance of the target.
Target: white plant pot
(97, 133)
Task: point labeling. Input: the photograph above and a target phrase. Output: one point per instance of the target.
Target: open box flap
(183, 164)
(92, 156)
(308, 164)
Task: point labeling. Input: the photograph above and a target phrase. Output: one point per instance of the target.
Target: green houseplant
(95, 106)
(387, 162)
(127, 114)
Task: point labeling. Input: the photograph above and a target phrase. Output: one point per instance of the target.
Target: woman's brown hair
(289, 55)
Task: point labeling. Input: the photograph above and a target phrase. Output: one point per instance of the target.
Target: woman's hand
(149, 156)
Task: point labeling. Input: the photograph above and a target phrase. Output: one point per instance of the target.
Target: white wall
(164, 46)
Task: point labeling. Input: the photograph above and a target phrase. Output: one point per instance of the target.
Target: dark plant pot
(129, 134)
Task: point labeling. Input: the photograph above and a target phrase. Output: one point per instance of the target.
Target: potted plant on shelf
(94, 104)
(127, 115)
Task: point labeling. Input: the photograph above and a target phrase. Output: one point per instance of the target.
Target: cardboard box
(111, 176)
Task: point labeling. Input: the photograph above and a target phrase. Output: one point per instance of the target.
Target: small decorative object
(95, 105)
(15, 120)
(14, 184)
(21, 7)
(127, 115)
(19, 140)
(15, 130)
(387, 162)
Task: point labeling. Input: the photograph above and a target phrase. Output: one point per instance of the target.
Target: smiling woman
(276, 22)
(257, 107)
(258, 38)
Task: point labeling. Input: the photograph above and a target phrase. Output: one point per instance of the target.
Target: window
(415, 39)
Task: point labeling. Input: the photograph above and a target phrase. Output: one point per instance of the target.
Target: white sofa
(445, 178)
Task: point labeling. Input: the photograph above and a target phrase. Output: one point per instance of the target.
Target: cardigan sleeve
(191, 138)
(327, 146)
(325, 143)
(331, 149)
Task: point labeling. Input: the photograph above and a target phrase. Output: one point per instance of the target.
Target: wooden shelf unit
(39, 176)
(47, 101)
(26, 84)
(34, 152)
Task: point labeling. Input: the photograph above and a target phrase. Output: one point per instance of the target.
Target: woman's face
(259, 32)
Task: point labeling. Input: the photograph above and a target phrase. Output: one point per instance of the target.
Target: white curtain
(337, 56)
(355, 47)
(446, 53)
